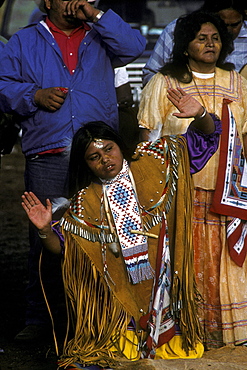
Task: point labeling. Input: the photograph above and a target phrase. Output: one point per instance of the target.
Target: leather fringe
(184, 295)
(96, 317)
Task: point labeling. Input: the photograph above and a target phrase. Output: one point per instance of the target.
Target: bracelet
(42, 236)
(98, 16)
(203, 113)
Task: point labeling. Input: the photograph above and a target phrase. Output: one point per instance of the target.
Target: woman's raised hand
(186, 104)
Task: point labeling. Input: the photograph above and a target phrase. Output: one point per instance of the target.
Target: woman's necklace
(199, 94)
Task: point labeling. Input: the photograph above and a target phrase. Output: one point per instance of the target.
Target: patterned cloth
(231, 189)
(124, 207)
(230, 197)
(161, 322)
(237, 240)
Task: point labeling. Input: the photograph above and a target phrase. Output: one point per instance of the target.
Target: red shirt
(69, 44)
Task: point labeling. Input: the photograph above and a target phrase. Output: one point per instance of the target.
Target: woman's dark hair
(80, 175)
(185, 31)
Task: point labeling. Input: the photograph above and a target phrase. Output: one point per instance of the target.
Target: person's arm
(83, 10)
(41, 217)
(160, 54)
(125, 43)
(124, 96)
(152, 108)
(204, 131)
(123, 88)
(17, 95)
(202, 146)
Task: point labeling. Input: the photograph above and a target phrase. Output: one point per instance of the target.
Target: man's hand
(82, 10)
(51, 98)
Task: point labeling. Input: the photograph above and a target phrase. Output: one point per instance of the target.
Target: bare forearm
(204, 122)
(50, 240)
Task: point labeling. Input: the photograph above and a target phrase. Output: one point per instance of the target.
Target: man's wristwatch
(98, 16)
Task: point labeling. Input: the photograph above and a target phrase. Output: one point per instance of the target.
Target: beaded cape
(101, 300)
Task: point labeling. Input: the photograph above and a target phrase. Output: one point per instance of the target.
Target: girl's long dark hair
(80, 176)
(185, 31)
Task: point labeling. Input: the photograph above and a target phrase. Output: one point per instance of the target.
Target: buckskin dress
(109, 315)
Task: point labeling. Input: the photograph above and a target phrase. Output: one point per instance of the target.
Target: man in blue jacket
(57, 75)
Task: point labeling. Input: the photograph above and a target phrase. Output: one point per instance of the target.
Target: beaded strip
(168, 154)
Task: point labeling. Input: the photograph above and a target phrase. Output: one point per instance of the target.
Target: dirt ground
(13, 280)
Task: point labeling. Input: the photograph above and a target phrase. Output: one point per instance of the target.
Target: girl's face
(104, 158)
(205, 49)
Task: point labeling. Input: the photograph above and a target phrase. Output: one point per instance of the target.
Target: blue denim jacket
(32, 60)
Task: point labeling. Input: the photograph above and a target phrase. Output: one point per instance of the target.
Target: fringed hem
(190, 325)
(102, 359)
(184, 294)
(95, 316)
(92, 233)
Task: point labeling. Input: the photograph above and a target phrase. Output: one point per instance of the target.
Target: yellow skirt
(173, 350)
(128, 345)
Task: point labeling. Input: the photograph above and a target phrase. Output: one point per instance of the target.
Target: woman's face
(204, 50)
(104, 158)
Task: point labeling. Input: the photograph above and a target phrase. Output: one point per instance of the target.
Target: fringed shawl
(100, 306)
(184, 292)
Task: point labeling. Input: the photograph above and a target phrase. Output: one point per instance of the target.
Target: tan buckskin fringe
(184, 291)
(95, 315)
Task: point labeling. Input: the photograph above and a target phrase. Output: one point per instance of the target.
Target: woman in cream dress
(197, 67)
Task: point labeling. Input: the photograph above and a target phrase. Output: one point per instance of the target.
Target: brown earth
(13, 280)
